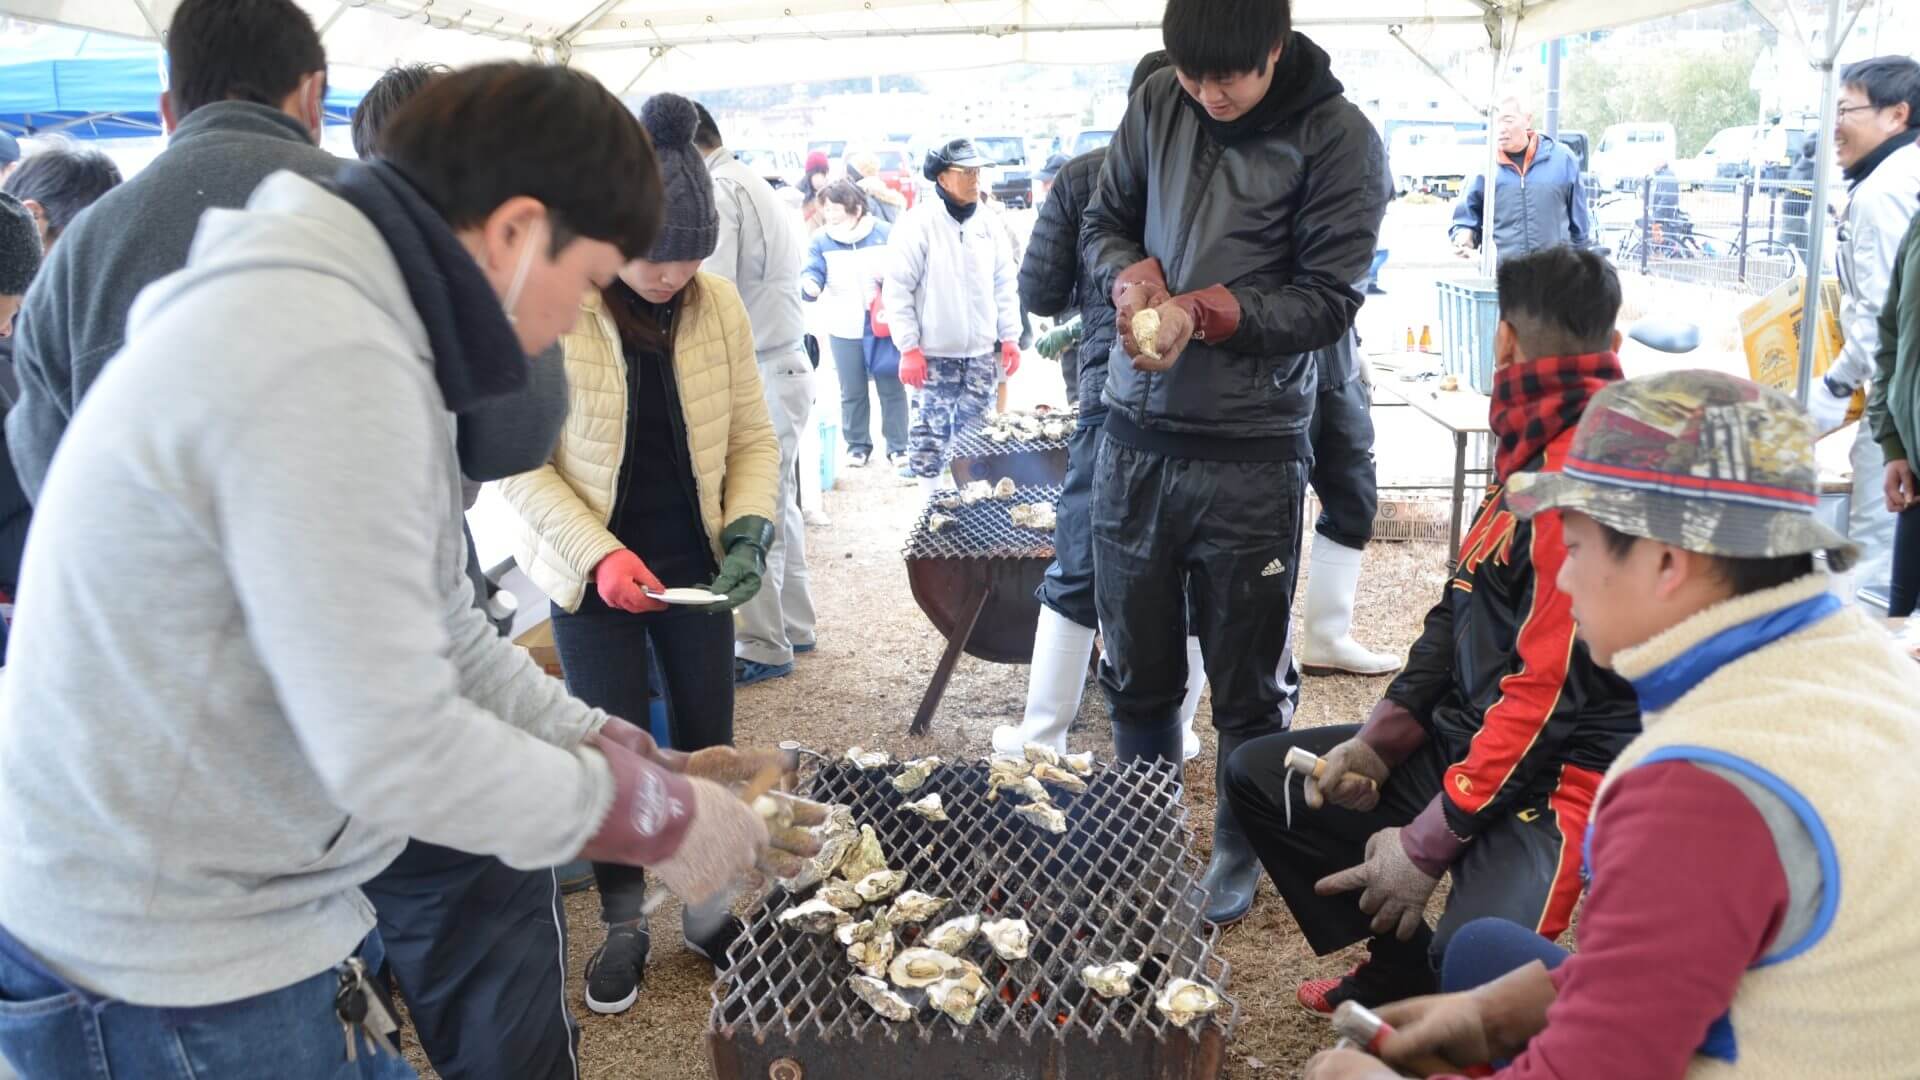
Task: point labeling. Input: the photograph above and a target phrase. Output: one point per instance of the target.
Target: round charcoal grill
(975, 579)
(1030, 462)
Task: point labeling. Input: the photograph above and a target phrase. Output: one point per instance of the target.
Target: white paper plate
(688, 596)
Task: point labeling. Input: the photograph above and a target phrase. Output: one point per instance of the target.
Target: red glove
(651, 812)
(913, 368)
(622, 578)
(1010, 357)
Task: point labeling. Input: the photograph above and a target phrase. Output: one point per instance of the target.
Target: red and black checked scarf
(1533, 402)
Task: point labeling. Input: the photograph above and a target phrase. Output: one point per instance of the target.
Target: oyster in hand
(954, 935)
(880, 885)
(882, 1000)
(1113, 980)
(929, 808)
(1146, 333)
(1011, 939)
(816, 916)
(914, 906)
(915, 774)
(961, 995)
(1183, 1001)
(1045, 815)
(922, 967)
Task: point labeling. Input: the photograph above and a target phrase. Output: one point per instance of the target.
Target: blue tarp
(101, 98)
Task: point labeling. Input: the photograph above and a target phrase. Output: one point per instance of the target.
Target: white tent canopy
(636, 44)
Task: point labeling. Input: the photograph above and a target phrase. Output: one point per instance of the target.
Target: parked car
(1629, 153)
(1727, 156)
(1090, 139)
(1012, 179)
(1436, 159)
(781, 168)
(899, 168)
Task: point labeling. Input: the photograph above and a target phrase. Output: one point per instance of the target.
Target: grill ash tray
(1119, 884)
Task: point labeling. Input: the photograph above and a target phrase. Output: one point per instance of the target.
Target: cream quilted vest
(1832, 712)
(564, 507)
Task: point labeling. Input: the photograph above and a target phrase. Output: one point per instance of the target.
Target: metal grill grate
(975, 443)
(984, 530)
(1119, 884)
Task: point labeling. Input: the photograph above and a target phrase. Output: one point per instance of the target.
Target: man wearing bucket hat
(1772, 714)
(951, 297)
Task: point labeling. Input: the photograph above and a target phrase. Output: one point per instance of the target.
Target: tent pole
(1398, 31)
(1826, 62)
(1553, 88)
(147, 14)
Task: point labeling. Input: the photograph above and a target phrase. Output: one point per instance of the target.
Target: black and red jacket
(1498, 680)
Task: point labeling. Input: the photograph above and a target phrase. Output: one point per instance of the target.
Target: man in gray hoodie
(203, 751)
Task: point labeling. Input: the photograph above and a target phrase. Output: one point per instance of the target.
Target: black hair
(474, 138)
(1743, 576)
(239, 50)
(706, 133)
(1560, 301)
(1149, 64)
(19, 247)
(63, 180)
(1887, 81)
(1222, 38)
(846, 194)
(393, 89)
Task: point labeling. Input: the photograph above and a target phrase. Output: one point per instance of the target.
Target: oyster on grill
(915, 774)
(938, 523)
(914, 906)
(1183, 1001)
(961, 995)
(1005, 488)
(872, 955)
(816, 916)
(868, 759)
(1110, 980)
(833, 850)
(1010, 938)
(1030, 789)
(1079, 763)
(880, 885)
(1044, 815)
(1054, 429)
(948, 500)
(978, 491)
(929, 808)
(841, 894)
(851, 932)
(840, 820)
(1039, 516)
(916, 968)
(1040, 754)
(882, 1000)
(954, 935)
(865, 857)
(999, 435)
(1064, 779)
(1004, 773)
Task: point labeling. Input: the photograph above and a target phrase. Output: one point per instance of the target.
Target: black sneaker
(617, 969)
(713, 948)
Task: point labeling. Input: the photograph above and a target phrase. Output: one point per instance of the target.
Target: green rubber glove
(745, 541)
(1058, 340)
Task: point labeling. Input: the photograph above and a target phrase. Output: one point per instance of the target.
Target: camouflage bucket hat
(1700, 460)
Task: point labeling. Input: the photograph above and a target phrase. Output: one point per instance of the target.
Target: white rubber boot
(1062, 650)
(1327, 647)
(928, 485)
(1196, 684)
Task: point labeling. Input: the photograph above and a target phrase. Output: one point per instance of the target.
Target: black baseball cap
(958, 154)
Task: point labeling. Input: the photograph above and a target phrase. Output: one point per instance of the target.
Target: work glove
(1009, 357)
(1135, 289)
(1393, 890)
(623, 581)
(913, 368)
(1058, 340)
(745, 541)
(1343, 1063)
(1827, 403)
(1349, 766)
(1900, 486)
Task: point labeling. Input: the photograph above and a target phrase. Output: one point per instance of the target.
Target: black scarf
(960, 211)
(476, 355)
(1302, 78)
(1863, 168)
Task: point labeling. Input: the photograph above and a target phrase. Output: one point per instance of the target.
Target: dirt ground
(876, 652)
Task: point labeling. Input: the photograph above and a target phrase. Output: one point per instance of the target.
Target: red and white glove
(623, 580)
(913, 368)
(695, 834)
(1009, 357)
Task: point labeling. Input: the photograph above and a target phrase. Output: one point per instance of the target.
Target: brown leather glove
(1215, 313)
(1137, 288)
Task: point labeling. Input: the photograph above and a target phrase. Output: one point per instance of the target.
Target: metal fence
(1745, 235)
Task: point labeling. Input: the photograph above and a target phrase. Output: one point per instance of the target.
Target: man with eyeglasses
(1878, 124)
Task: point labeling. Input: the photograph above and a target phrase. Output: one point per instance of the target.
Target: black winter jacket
(1054, 280)
(1285, 218)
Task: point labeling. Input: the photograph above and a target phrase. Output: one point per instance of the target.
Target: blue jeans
(52, 1030)
(1487, 949)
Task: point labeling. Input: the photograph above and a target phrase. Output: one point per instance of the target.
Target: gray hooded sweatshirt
(246, 665)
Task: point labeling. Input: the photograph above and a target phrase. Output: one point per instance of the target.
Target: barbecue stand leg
(941, 674)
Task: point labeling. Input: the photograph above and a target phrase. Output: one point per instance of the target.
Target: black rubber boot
(1234, 871)
(1147, 737)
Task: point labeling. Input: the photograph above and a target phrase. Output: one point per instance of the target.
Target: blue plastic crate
(1469, 316)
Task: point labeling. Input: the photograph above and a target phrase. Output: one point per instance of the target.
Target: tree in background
(1698, 91)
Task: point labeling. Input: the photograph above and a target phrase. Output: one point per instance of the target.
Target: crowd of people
(255, 380)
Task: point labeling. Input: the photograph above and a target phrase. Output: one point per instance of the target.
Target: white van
(1629, 153)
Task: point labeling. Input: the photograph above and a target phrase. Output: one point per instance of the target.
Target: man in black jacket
(1241, 199)
(1484, 756)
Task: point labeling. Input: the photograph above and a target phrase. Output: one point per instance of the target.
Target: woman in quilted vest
(664, 478)
(1750, 875)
